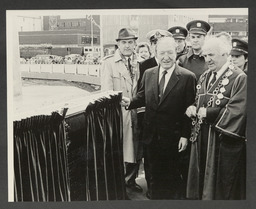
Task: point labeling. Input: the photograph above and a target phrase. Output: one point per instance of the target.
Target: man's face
(126, 47)
(166, 53)
(180, 44)
(214, 59)
(239, 60)
(196, 40)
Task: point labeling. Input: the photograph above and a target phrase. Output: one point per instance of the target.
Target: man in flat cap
(193, 60)
(120, 73)
(153, 36)
(179, 34)
(218, 150)
(239, 54)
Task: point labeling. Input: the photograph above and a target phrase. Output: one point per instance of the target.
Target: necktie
(213, 80)
(161, 84)
(130, 67)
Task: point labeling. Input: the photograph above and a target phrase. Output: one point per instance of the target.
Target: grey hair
(219, 43)
(166, 38)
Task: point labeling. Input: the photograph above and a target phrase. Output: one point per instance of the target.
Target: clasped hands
(191, 112)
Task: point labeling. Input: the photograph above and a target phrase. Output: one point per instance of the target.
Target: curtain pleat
(71, 158)
(40, 159)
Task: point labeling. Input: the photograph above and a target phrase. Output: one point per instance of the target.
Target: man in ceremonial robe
(217, 160)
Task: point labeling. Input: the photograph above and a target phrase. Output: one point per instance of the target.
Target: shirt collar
(222, 69)
(168, 71)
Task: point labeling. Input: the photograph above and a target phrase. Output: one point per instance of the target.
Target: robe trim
(225, 131)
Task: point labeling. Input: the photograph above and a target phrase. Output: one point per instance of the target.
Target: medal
(229, 73)
(217, 102)
(220, 96)
(225, 82)
(222, 89)
(198, 87)
(231, 67)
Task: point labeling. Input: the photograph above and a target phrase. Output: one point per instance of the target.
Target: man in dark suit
(166, 91)
(153, 36)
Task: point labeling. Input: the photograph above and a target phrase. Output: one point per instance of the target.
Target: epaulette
(108, 56)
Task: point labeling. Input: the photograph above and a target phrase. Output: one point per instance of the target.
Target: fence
(87, 73)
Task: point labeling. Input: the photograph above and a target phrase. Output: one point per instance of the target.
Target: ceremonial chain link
(218, 91)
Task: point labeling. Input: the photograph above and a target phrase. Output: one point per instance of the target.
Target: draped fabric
(40, 159)
(74, 157)
(95, 152)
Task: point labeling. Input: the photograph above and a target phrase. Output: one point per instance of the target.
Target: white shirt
(167, 75)
(220, 71)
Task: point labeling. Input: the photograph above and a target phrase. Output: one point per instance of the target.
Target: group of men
(184, 112)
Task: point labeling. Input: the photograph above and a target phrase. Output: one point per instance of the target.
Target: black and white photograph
(127, 105)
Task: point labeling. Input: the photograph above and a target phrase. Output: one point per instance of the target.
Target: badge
(222, 89)
(225, 82)
(199, 24)
(234, 44)
(198, 86)
(217, 102)
(177, 30)
(231, 67)
(220, 96)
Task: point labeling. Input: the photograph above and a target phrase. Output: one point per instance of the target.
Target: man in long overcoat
(120, 73)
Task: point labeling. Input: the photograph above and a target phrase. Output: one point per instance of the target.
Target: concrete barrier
(70, 68)
(58, 68)
(46, 68)
(35, 68)
(94, 70)
(82, 69)
(24, 67)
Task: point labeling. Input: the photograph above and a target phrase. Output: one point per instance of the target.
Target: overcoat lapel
(122, 68)
(171, 83)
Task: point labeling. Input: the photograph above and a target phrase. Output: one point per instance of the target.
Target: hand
(182, 144)
(191, 111)
(125, 102)
(201, 113)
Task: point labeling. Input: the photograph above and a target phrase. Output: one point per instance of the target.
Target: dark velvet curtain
(76, 157)
(40, 159)
(95, 151)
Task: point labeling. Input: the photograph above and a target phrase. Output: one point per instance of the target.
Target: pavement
(142, 182)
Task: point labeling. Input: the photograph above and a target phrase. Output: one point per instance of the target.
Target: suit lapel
(155, 77)
(171, 83)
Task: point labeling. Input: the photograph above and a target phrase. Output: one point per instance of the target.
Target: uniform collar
(191, 53)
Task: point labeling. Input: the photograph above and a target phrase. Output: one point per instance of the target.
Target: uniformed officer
(239, 54)
(193, 60)
(153, 36)
(179, 34)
